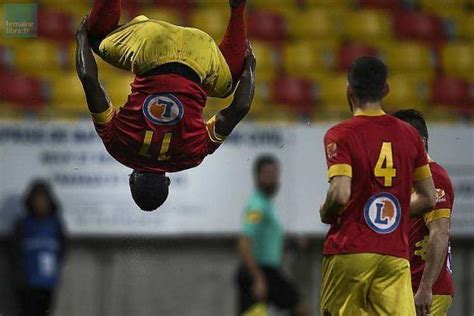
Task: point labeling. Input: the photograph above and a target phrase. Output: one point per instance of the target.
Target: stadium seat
(118, 88)
(299, 94)
(324, 23)
(457, 59)
(407, 91)
(27, 93)
(164, 14)
(266, 26)
(36, 56)
(330, 3)
(464, 27)
(332, 93)
(266, 56)
(350, 51)
(56, 25)
(304, 57)
(367, 25)
(452, 91)
(408, 57)
(440, 6)
(211, 20)
(273, 3)
(67, 94)
(381, 4)
(413, 25)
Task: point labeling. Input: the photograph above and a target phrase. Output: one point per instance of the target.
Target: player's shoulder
(343, 128)
(440, 174)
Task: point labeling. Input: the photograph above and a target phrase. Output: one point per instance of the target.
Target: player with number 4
(374, 161)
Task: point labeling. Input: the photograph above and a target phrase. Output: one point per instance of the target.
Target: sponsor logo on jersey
(163, 109)
(382, 213)
(440, 196)
(331, 150)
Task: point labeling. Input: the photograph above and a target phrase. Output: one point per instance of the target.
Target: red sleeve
(444, 200)
(338, 155)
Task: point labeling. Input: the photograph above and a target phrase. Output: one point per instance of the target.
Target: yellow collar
(375, 112)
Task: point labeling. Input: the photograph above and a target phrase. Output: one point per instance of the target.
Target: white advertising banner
(93, 189)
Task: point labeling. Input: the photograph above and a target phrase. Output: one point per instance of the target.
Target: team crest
(331, 150)
(163, 109)
(382, 213)
(440, 196)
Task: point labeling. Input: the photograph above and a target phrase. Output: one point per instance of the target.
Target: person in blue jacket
(39, 247)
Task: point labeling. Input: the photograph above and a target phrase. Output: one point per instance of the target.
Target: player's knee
(149, 190)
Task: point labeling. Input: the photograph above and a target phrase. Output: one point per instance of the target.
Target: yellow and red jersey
(419, 234)
(383, 156)
(160, 128)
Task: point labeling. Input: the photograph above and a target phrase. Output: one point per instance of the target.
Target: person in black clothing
(39, 245)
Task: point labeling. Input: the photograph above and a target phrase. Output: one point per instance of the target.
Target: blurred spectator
(259, 277)
(39, 246)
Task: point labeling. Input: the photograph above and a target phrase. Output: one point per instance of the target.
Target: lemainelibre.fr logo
(20, 20)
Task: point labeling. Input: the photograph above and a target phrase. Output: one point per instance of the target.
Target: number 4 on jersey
(384, 167)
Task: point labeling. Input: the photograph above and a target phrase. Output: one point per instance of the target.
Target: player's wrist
(425, 286)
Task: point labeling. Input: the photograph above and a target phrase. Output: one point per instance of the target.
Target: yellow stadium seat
(332, 92)
(331, 3)
(458, 59)
(440, 6)
(36, 56)
(407, 91)
(304, 58)
(211, 20)
(408, 57)
(265, 55)
(163, 14)
(267, 4)
(67, 94)
(465, 27)
(118, 88)
(317, 23)
(367, 25)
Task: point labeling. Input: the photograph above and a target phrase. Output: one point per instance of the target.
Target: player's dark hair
(368, 78)
(149, 190)
(261, 161)
(40, 186)
(415, 119)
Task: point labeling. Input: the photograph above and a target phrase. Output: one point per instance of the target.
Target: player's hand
(86, 66)
(259, 288)
(246, 87)
(423, 298)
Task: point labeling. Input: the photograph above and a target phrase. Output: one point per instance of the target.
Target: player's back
(383, 155)
(160, 128)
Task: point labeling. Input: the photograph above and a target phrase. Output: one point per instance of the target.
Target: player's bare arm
(435, 259)
(86, 66)
(228, 118)
(245, 252)
(337, 197)
(423, 198)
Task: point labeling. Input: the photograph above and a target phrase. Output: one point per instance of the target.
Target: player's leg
(440, 305)
(345, 283)
(234, 43)
(391, 292)
(103, 18)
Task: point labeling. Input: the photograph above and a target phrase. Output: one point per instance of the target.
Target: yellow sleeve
(422, 173)
(104, 117)
(437, 214)
(211, 131)
(340, 170)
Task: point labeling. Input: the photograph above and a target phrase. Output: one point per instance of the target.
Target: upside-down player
(374, 161)
(160, 129)
(429, 238)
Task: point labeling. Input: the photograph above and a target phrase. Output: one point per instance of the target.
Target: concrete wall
(182, 278)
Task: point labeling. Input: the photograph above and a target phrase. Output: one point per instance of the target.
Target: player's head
(266, 172)
(367, 79)
(415, 119)
(149, 190)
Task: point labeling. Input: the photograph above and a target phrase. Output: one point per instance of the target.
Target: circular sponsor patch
(163, 109)
(382, 213)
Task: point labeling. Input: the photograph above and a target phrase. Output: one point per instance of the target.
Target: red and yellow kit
(419, 234)
(160, 128)
(365, 266)
(384, 156)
